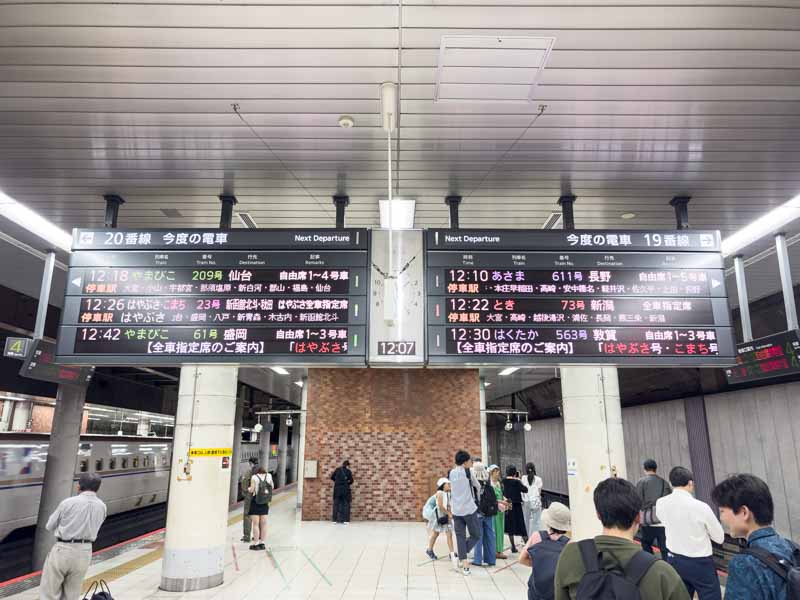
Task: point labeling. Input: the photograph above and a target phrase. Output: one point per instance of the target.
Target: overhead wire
(236, 109)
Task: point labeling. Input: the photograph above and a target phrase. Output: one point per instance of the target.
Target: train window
(98, 464)
(146, 461)
(112, 464)
(84, 466)
(124, 463)
(163, 461)
(135, 462)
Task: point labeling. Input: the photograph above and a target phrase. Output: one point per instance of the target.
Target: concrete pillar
(233, 495)
(484, 433)
(197, 509)
(300, 451)
(283, 434)
(62, 456)
(263, 444)
(594, 439)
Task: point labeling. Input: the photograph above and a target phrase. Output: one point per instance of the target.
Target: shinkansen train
(135, 472)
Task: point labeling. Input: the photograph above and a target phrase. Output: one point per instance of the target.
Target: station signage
(178, 296)
(40, 363)
(766, 358)
(581, 297)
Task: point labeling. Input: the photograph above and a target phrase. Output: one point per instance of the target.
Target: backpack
(488, 501)
(545, 554)
(263, 493)
(599, 584)
(428, 508)
(788, 570)
(648, 513)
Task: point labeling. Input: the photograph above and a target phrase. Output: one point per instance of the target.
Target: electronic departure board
(187, 296)
(40, 363)
(767, 357)
(580, 297)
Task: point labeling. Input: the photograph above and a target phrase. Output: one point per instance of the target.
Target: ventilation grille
(490, 68)
(172, 213)
(247, 220)
(553, 221)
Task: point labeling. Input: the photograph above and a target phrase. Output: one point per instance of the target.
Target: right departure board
(577, 297)
(766, 358)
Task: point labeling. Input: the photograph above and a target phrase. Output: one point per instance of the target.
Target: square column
(197, 509)
(594, 439)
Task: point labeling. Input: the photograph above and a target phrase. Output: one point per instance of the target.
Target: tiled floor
(324, 561)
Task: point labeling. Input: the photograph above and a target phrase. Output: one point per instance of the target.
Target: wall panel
(544, 446)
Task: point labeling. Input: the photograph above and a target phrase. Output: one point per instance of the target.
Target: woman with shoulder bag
(441, 521)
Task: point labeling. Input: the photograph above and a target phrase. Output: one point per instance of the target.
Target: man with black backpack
(769, 568)
(612, 566)
(651, 487)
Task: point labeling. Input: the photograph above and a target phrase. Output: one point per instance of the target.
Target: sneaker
(500, 555)
(514, 550)
(466, 572)
(430, 554)
(261, 547)
(245, 539)
(456, 566)
(253, 546)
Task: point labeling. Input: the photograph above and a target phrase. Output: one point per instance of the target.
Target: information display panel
(40, 363)
(580, 297)
(766, 358)
(175, 296)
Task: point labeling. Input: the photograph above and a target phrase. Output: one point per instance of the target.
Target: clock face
(397, 315)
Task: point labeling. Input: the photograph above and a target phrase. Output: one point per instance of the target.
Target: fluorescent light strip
(280, 370)
(770, 223)
(34, 222)
(508, 371)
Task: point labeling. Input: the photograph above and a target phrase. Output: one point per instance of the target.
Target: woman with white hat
(543, 549)
(441, 519)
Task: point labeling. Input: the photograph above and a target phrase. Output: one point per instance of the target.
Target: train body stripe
(74, 479)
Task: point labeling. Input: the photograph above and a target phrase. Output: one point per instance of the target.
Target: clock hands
(378, 269)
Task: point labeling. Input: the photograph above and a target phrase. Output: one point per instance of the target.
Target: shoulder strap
(663, 487)
(638, 566)
(589, 555)
(769, 560)
(545, 535)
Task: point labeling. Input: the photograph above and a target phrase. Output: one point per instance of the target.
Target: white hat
(442, 481)
(493, 467)
(557, 516)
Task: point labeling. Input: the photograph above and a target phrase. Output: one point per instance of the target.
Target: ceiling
(645, 100)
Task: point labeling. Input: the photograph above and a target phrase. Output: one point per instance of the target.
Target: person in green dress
(500, 517)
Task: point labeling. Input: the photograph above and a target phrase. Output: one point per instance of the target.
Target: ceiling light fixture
(772, 222)
(298, 383)
(508, 371)
(487, 383)
(509, 425)
(397, 213)
(34, 222)
(289, 421)
(628, 216)
(279, 370)
(346, 121)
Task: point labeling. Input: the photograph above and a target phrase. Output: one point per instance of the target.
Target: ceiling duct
(497, 69)
(553, 221)
(247, 220)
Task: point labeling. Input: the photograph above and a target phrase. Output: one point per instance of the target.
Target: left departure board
(187, 296)
(577, 297)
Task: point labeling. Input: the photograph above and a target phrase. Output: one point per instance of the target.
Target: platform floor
(323, 561)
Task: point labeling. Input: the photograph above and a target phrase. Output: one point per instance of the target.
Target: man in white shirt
(690, 527)
(75, 523)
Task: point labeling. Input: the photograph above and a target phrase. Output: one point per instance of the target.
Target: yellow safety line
(137, 563)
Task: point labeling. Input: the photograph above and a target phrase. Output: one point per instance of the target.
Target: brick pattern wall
(400, 429)
(42, 419)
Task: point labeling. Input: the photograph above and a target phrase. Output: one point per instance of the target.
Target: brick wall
(399, 428)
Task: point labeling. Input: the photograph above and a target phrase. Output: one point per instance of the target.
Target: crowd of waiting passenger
(479, 508)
